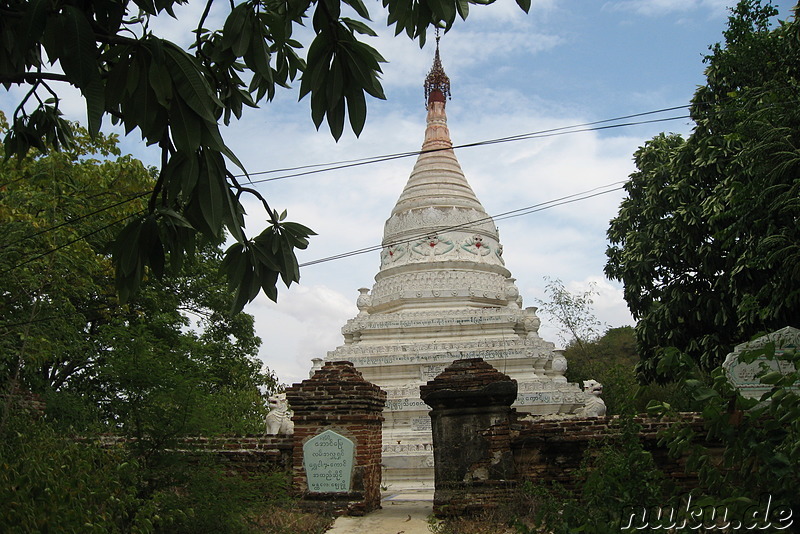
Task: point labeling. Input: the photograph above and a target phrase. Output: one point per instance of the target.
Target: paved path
(401, 513)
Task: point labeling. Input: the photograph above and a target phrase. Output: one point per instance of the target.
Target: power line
(521, 137)
(584, 195)
(498, 140)
(568, 199)
(326, 167)
(76, 219)
(68, 243)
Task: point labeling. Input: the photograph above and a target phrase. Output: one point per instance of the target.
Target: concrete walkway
(401, 513)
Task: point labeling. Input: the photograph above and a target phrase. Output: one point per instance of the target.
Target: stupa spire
(437, 84)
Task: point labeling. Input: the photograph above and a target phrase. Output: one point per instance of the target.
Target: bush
(52, 482)
(618, 474)
(49, 483)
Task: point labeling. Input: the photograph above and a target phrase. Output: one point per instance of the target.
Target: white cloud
(658, 8)
(305, 324)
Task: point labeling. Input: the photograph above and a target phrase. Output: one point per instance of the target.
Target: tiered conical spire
(438, 225)
(437, 179)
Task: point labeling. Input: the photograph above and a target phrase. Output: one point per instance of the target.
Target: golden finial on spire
(437, 84)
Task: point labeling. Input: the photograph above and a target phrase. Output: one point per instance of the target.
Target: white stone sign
(744, 375)
(328, 460)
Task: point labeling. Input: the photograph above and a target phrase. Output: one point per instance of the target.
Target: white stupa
(443, 293)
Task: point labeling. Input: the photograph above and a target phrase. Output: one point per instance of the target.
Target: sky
(567, 62)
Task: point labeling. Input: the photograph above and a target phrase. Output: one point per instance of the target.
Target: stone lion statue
(279, 418)
(593, 406)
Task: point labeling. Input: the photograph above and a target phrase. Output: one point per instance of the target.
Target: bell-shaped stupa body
(443, 293)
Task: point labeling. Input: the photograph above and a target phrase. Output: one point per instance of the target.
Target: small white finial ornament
(364, 301)
(316, 365)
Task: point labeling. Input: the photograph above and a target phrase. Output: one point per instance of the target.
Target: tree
(573, 313)
(142, 367)
(749, 448)
(176, 100)
(707, 242)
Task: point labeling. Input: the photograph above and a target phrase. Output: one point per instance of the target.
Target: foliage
(619, 474)
(760, 438)
(573, 313)
(489, 522)
(136, 368)
(706, 243)
(611, 360)
(52, 484)
(289, 519)
(176, 100)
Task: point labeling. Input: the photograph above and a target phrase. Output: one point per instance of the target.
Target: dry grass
(289, 519)
(489, 523)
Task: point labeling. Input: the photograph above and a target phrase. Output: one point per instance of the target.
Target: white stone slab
(328, 460)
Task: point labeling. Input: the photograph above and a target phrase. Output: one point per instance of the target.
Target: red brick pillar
(470, 417)
(337, 399)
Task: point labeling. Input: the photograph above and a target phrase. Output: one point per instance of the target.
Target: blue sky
(567, 62)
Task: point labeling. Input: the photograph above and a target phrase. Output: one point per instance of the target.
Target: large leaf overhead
(175, 98)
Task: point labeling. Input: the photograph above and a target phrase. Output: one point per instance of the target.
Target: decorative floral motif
(475, 245)
(392, 253)
(432, 245)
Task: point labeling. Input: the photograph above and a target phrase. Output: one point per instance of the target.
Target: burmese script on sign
(328, 460)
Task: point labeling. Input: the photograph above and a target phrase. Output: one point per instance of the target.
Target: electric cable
(68, 243)
(576, 197)
(326, 167)
(75, 219)
(502, 216)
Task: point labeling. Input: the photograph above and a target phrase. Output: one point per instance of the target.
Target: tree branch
(33, 77)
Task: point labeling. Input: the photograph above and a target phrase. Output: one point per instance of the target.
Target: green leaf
(78, 55)
(269, 283)
(185, 126)
(235, 216)
(524, 4)
(772, 377)
(463, 8)
(94, 93)
(291, 271)
(126, 248)
(265, 255)
(232, 29)
(336, 120)
(33, 23)
(192, 87)
(234, 263)
(359, 8)
(359, 27)
(357, 109)
(210, 193)
(161, 82)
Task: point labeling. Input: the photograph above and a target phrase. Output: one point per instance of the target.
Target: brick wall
(337, 398)
(241, 454)
(470, 420)
(552, 451)
(483, 450)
